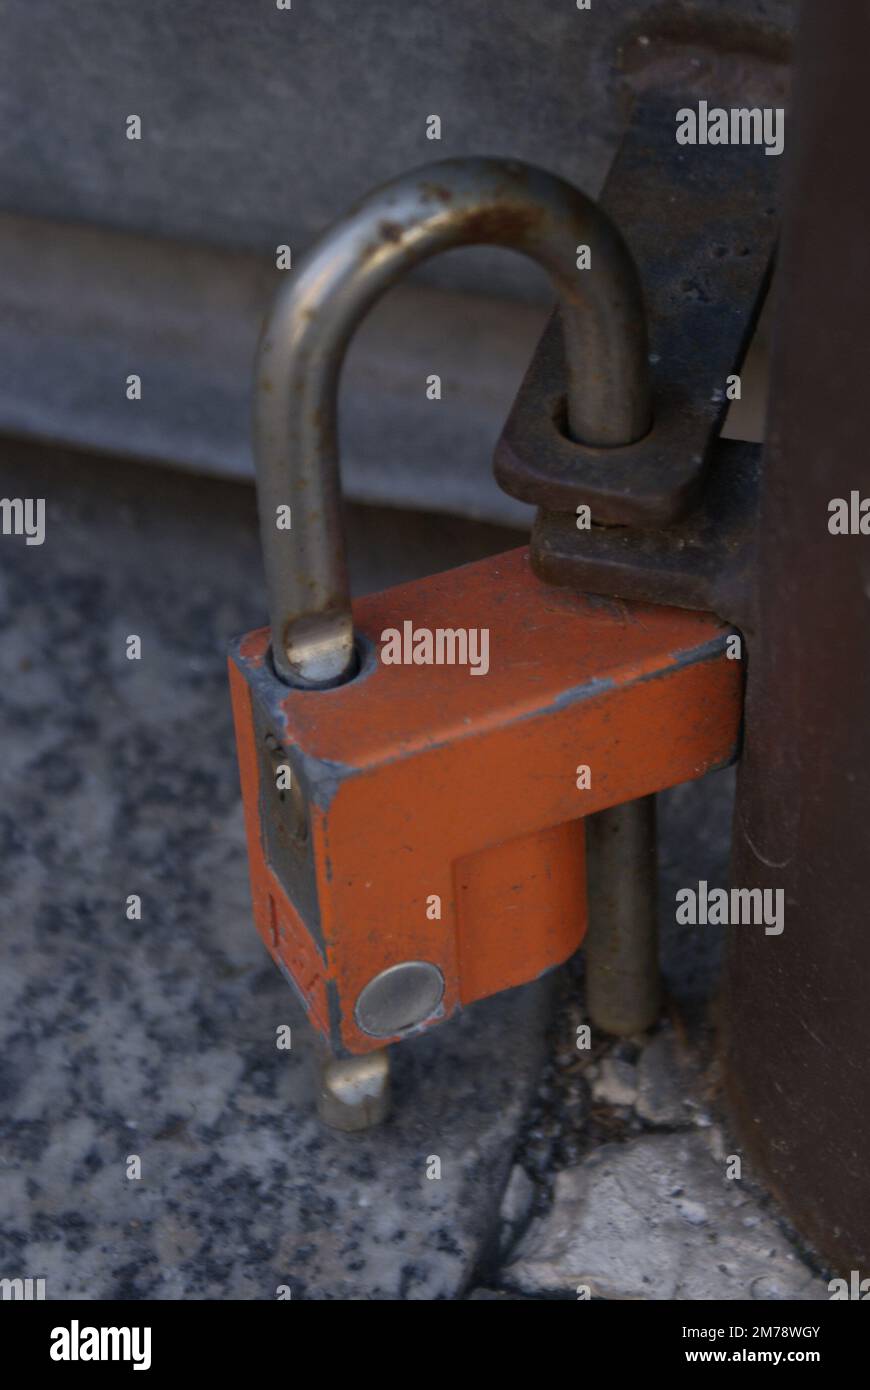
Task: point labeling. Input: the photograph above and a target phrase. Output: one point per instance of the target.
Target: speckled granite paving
(156, 1037)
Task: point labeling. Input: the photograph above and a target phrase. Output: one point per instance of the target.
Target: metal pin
(623, 983)
(353, 1092)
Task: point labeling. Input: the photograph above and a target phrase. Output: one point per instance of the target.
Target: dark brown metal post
(796, 1008)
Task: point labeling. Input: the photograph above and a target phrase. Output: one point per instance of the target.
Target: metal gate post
(796, 1010)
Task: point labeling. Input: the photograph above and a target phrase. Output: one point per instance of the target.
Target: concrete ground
(155, 1038)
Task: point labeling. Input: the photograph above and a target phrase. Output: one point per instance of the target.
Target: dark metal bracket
(674, 511)
(704, 561)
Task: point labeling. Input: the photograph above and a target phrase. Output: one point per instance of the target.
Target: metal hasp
(674, 511)
(796, 1011)
(440, 856)
(454, 203)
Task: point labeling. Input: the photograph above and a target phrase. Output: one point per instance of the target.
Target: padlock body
(433, 830)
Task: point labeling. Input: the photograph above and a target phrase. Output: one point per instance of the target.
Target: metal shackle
(456, 202)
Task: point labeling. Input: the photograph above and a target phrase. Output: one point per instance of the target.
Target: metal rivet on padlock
(455, 203)
(399, 998)
(344, 873)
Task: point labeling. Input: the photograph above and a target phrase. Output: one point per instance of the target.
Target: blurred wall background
(259, 127)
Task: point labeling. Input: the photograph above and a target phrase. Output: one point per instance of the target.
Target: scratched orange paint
(465, 786)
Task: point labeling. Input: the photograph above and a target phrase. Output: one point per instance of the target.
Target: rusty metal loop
(457, 202)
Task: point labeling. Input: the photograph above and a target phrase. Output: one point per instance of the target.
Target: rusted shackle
(456, 202)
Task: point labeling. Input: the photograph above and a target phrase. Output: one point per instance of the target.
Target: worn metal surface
(430, 210)
(623, 983)
(702, 238)
(795, 1007)
(704, 561)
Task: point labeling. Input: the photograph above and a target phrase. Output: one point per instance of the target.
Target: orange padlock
(415, 769)
(430, 849)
